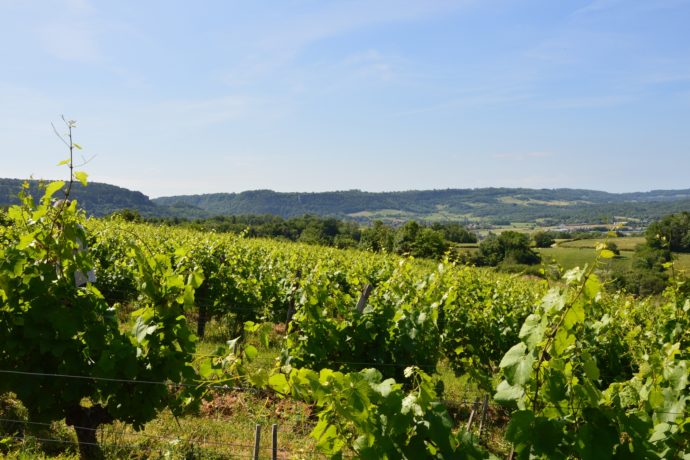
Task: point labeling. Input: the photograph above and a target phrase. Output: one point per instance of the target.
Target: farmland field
(577, 253)
(571, 257)
(683, 263)
(624, 244)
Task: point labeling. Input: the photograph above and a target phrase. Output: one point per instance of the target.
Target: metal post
(257, 441)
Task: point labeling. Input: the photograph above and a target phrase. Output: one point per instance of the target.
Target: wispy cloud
(371, 64)
(343, 17)
(480, 96)
(65, 29)
(521, 156)
(587, 102)
(70, 42)
(207, 111)
(274, 44)
(598, 5)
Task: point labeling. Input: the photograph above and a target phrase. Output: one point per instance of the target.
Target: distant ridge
(482, 205)
(514, 204)
(97, 198)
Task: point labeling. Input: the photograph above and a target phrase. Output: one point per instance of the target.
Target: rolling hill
(485, 205)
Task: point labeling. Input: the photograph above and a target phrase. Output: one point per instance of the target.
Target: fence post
(257, 441)
(291, 306)
(485, 407)
(275, 441)
(364, 297)
(475, 407)
(201, 322)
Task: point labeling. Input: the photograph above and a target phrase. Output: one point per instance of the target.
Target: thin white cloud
(273, 45)
(587, 102)
(522, 156)
(64, 29)
(206, 111)
(371, 64)
(639, 6)
(598, 5)
(70, 42)
(479, 97)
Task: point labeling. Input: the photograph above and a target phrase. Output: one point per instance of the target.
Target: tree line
(412, 238)
(649, 271)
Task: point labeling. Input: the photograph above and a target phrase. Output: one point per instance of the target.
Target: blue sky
(178, 97)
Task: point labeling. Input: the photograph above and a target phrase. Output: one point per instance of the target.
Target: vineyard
(107, 325)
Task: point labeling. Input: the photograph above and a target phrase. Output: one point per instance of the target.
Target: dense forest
(97, 199)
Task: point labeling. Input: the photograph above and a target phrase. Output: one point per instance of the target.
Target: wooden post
(257, 441)
(364, 297)
(475, 407)
(511, 455)
(291, 307)
(275, 441)
(201, 321)
(485, 407)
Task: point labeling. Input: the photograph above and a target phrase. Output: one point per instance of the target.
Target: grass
(223, 427)
(532, 202)
(569, 257)
(682, 263)
(577, 253)
(624, 244)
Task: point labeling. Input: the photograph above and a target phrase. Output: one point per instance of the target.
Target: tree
(128, 215)
(4, 220)
(543, 239)
(429, 243)
(517, 248)
(455, 232)
(405, 237)
(377, 238)
(508, 248)
(671, 232)
(613, 247)
(647, 275)
(491, 251)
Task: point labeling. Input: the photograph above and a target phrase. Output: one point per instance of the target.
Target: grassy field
(624, 244)
(683, 263)
(577, 253)
(568, 257)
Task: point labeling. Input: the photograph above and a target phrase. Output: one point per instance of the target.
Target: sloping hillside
(97, 199)
(488, 205)
(512, 204)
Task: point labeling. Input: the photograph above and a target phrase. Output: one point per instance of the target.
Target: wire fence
(476, 412)
(111, 439)
(177, 385)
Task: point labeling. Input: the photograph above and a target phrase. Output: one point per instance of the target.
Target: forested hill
(96, 198)
(492, 204)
